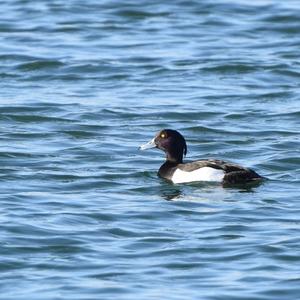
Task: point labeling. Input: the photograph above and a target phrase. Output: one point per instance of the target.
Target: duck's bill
(149, 145)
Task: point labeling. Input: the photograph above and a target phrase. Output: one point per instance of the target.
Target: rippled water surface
(83, 84)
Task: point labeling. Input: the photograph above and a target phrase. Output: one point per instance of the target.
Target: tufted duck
(174, 145)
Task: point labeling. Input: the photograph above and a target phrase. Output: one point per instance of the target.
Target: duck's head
(171, 142)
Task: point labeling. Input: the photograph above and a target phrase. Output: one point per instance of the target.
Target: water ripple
(82, 209)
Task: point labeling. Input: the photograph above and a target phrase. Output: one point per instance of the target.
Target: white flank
(202, 174)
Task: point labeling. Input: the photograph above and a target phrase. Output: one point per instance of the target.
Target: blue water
(83, 213)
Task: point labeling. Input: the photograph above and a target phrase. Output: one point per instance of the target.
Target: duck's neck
(172, 158)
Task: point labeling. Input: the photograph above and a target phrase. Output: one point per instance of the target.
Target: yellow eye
(163, 135)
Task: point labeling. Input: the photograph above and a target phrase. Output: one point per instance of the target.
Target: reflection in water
(204, 190)
(173, 193)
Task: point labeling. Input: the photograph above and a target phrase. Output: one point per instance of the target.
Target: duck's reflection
(171, 192)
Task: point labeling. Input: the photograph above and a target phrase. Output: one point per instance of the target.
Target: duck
(207, 170)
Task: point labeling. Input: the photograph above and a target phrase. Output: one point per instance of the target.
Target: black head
(171, 142)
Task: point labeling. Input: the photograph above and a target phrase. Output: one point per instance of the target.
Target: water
(83, 84)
